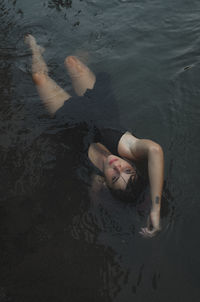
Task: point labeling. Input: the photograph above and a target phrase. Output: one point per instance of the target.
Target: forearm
(147, 149)
(156, 176)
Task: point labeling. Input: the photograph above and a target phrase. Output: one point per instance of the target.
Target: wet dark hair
(134, 190)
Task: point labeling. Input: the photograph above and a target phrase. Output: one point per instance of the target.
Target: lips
(112, 161)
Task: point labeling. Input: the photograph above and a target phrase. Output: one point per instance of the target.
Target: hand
(153, 225)
(147, 233)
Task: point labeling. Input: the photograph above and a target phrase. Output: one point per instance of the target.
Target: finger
(144, 232)
(152, 233)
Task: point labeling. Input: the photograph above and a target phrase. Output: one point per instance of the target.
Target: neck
(97, 154)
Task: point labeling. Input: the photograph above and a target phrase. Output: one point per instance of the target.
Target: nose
(117, 167)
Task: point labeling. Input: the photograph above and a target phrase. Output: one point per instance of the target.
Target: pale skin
(117, 171)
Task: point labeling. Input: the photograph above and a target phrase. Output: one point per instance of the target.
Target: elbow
(156, 149)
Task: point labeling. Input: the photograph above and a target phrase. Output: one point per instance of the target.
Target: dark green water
(55, 244)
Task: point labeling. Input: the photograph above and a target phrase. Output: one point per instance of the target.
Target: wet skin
(117, 172)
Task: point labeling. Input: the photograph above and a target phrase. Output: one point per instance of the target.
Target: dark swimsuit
(96, 115)
(97, 106)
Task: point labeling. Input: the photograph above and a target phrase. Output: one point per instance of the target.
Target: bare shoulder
(134, 148)
(126, 144)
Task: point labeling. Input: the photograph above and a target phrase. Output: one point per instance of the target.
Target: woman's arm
(154, 154)
(137, 149)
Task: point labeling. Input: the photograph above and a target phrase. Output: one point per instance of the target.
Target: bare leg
(82, 77)
(51, 94)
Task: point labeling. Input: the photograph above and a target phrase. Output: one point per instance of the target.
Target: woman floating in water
(115, 153)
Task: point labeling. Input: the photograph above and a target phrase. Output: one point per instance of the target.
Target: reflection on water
(59, 240)
(59, 4)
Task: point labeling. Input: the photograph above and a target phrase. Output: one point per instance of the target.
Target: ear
(102, 180)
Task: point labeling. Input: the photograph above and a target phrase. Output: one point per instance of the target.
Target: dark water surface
(57, 244)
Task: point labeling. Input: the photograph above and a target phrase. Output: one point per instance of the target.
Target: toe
(73, 65)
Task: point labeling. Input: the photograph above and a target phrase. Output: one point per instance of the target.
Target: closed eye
(114, 179)
(129, 171)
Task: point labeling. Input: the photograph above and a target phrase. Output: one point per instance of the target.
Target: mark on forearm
(157, 200)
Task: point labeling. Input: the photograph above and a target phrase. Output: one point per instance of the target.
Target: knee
(39, 78)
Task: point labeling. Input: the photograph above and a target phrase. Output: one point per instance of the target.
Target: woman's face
(117, 172)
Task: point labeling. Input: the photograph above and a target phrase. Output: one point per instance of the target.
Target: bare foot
(82, 77)
(31, 42)
(38, 63)
(75, 67)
